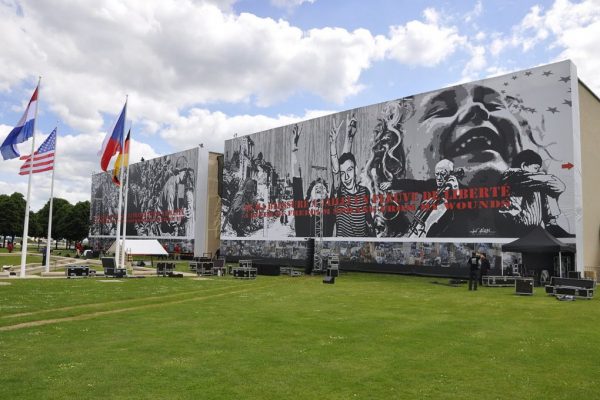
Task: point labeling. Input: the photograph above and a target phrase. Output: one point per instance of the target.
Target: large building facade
(174, 199)
(418, 183)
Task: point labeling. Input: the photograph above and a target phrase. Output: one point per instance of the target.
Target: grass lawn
(368, 336)
(10, 259)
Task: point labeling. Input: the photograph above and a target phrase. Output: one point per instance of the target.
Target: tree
(12, 216)
(4, 218)
(34, 229)
(60, 211)
(78, 222)
(68, 222)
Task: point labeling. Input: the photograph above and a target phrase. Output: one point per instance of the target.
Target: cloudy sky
(199, 71)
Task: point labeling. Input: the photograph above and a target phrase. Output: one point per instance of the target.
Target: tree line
(69, 222)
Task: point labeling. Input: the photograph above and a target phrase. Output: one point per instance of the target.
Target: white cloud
(169, 55)
(423, 43)
(289, 4)
(572, 28)
(477, 63)
(432, 16)
(581, 46)
(213, 128)
(531, 30)
(225, 5)
(475, 12)
(576, 28)
(498, 44)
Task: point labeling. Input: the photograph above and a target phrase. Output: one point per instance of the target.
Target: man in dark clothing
(485, 268)
(473, 271)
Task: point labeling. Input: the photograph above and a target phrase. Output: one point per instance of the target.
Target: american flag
(44, 157)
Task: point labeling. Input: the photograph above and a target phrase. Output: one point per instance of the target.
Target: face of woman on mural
(318, 191)
(469, 125)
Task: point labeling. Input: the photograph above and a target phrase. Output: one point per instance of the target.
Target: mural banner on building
(160, 202)
(479, 160)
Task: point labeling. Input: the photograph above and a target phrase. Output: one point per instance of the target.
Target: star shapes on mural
(505, 83)
(553, 110)
(565, 79)
(529, 109)
(514, 77)
(547, 73)
(568, 102)
(528, 73)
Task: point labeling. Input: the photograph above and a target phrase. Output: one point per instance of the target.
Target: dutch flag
(22, 131)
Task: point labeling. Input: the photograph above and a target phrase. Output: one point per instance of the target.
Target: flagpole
(26, 223)
(118, 238)
(117, 247)
(125, 156)
(49, 240)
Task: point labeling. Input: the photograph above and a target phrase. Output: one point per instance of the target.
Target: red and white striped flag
(44, 157)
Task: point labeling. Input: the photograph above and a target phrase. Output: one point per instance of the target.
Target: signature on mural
(482, 231)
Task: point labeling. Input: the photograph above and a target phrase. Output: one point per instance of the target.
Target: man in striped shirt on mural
(353, 216)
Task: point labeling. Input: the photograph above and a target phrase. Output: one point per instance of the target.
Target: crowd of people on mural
(160, 199)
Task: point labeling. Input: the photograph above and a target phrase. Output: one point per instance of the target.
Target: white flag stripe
(38, 157)
(41, 166)
(37, 163)
(36, 170)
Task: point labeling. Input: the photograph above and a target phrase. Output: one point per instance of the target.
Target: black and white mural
(481, 160)
(160, 200)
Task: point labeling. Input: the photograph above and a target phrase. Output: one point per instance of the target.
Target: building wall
(213, 226)
(589, 110)
(173, 198)
(446, 167)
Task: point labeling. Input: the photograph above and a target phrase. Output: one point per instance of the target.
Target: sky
(199, 71)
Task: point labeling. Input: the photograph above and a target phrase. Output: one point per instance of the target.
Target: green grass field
(15, 260)
(368, 336)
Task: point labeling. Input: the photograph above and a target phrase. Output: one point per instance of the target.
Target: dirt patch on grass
(119, 310)
(105, 303)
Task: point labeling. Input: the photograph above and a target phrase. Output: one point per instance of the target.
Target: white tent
(150, 247)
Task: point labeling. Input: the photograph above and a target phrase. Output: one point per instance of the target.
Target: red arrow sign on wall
(567, 165)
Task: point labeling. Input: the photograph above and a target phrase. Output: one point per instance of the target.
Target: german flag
(122, 160)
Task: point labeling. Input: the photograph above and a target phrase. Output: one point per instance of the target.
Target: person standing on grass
(79, 248)
(10, 247)
(177, 252)
(473, 271)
